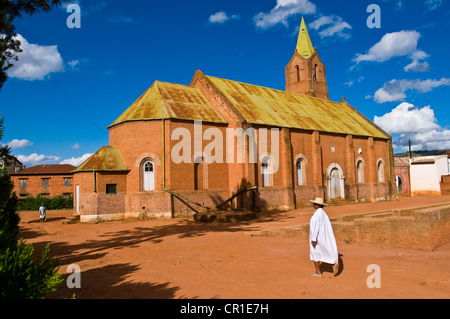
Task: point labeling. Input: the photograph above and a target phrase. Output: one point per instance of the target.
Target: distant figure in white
(42, 212)
(322, 246)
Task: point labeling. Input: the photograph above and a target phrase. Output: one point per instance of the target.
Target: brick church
(179, 149)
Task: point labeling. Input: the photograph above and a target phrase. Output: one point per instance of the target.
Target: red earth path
(182, 259)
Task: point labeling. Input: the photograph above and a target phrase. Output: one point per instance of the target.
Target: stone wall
(423, 229)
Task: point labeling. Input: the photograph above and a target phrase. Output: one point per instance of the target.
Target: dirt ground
(170, 259)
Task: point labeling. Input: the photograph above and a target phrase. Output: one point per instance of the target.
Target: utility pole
(410, 155)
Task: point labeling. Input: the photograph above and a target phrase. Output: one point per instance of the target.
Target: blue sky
(58, 103)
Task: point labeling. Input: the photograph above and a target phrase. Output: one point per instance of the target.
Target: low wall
(423, 229)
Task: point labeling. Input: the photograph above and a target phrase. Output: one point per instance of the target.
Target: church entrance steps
(420, 228)
(224, 216)
(338, 202)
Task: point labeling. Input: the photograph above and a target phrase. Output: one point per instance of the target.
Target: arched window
(380, 172)
(360, 171)
(149, 176)
(266, 170)
(301, 172)
(298, 72)
(315, 72)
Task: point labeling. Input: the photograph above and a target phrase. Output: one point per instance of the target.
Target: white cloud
(15, 144)
(416, 65)
(282, 11)
(433, 4)
(43, 61)
(391, 45)
(395, 90)
(333, 25)
(36, 159)
(73, 64)
(323, 20)
(65, 5)
(76, 64)
(416, 124)
(406, 118)
(350, 83)
(431, 140)
(222, 17)
(76, 161)
(75, 146)
(122, 19)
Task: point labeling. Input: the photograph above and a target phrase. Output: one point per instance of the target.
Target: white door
(299, 173)
(265, 171)
(335, 184)
(149, 177)
(77, 194)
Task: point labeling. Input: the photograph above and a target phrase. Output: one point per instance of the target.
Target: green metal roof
(108, 158)
(261, 105)
(171, 101)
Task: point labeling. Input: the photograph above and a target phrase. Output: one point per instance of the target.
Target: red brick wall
(445, 185)
(304, 86)
(140, 140)
(98, 202)
(403, 173)
(34, 185)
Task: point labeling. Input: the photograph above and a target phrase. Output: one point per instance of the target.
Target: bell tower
(305, 73)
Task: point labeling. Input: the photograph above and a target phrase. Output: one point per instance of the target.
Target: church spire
(305, 72)
(304, 45)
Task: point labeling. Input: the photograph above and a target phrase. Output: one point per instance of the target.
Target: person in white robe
(323, 247)
(42, 213)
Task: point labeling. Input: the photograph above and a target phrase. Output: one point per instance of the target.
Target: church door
(265, 171)
(335, 184)
(149, 177)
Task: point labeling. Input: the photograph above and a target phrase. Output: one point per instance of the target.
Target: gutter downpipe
(391, 188)
(172, 215)
(95, 181)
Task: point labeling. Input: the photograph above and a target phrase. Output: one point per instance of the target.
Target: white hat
(318, 201)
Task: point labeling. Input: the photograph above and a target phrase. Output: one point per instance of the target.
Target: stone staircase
(225, 216)
(338, 202)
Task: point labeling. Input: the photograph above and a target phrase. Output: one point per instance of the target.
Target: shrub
(20, 275)
(22, 278)
(33, 203)
(9, 219)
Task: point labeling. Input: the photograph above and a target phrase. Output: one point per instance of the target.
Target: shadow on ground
(114, 277)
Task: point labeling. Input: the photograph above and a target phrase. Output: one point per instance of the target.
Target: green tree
(9, 219)
(23, 278)
(20, 275)
(9, 45)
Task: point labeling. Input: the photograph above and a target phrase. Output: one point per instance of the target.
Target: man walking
(322, 244)
(42, 213)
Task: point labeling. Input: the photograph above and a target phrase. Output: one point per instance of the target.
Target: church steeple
(304, 45)
(305, 73)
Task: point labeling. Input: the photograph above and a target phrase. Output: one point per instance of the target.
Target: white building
(426, 172)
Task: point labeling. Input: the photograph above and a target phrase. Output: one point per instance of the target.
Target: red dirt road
(182, 259)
